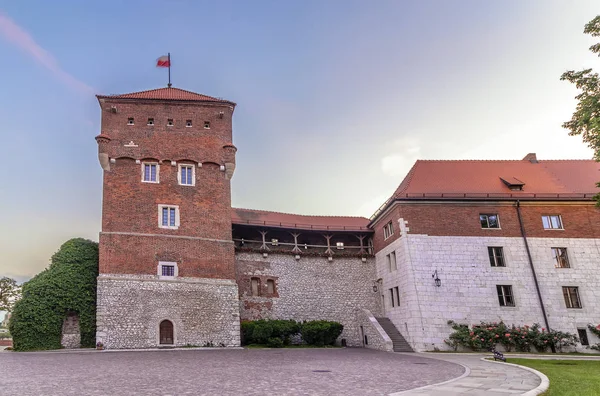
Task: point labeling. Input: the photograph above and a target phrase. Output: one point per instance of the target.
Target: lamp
(436, 279)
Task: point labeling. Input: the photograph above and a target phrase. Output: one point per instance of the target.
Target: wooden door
(166, 332)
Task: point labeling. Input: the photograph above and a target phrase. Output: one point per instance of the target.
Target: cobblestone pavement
(485, 378)
(346, 371)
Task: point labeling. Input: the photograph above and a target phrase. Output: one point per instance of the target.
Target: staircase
(400, 344)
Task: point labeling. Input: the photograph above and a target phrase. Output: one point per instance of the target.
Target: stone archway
(167, 333)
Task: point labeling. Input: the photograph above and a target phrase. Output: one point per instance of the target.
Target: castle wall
(310, 288)
(131, 307)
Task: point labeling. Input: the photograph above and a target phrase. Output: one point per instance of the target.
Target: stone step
(399, 342)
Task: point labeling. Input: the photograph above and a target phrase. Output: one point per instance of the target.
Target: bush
(5, 335)
(321, 332)
(275, 342)
(260, 331)
(247, 327)
(487, 335)
(67, 285)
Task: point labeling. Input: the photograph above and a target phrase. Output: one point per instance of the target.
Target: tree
(9, 293)
(586, 118)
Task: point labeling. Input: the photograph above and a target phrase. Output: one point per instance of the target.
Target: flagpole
(169, 55)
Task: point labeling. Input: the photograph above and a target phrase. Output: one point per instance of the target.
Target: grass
(525, 353)
(567, 377)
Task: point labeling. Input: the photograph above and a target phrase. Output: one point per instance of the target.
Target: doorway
(166, 332)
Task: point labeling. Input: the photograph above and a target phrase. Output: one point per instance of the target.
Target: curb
(541, 388)
(465, 374)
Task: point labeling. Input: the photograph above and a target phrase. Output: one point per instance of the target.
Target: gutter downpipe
(537, 286)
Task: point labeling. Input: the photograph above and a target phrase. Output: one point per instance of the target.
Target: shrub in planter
(321, 332)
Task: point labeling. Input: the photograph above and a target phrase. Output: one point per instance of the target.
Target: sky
(336, 99)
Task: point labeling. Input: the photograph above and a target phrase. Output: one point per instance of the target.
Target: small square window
(496, 255)
(170, 122)
(505, 295)
(274, 241)
(167, 269)
(150, 121)
(553, 222)
(489, 221)
(206, 124)
(150, 172)
(188, 123)
(130, 121)
(168, 216)
(571, 294)
(186, 175)
(561, 260)
(270, 286)
(340, 245)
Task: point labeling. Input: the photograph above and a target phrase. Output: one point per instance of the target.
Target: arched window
(166, 332)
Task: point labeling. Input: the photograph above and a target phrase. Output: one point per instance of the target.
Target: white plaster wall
(468, 291)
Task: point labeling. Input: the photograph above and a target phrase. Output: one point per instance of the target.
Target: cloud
(23, 40)
(405, 152)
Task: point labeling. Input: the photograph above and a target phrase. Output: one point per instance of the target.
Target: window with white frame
(388, 230)
(552, 222)
(167, 270)
(187, 175)
(150, 172)
(130, 121)
(489, 221)
(571, 294)
(170, 122)
(505, 295)
(168, 216)
(496, 255)
(340, 245)
(151, 121)
(561, 260)
(188, 123)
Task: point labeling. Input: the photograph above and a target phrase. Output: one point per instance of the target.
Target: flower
(507, 334)
(497, 336)
(472, 334)
(543, 329)
(522, 336)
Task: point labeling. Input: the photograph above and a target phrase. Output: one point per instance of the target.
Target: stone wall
(310, 288)
(130, 309)
(71, 335)
(376, 337)
(468, 290)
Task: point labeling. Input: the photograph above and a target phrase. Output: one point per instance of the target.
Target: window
(130, 121)
(392, 297)
(552, 222)
(151, 121)
(571, 295)
(391, 261)
(270, 286)
(505, 296)
(489, 221)
(188, 123)
(496, 256)
(167, 269)
(560, 257)
(255, 284)
(388, 230)
(150, 172)
(275, 242)
(583, 338)
(186, 175)
(169, 122)
(397, 295)
(340, 245)
(168, 216)
(206, 124)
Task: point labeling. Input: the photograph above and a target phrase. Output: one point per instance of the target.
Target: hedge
(278, 333)
(67, 285)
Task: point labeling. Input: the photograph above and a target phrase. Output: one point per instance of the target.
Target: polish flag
(163, 61)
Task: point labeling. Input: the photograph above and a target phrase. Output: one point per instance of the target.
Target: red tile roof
(564, 177)
(166, 94)
(289, 220)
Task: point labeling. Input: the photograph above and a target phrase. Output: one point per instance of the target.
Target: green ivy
(67, 285)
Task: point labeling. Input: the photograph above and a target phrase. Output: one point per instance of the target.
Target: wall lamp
(436, 279)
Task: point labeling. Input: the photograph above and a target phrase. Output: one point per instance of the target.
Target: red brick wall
(131, 206)
(462, 219)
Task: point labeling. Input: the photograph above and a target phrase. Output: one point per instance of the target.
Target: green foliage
(521, 338)
(321, 332)
(67, 285)
(586, 118)
(277, 333)
(596, 331)
(9, 293)
(5, 335)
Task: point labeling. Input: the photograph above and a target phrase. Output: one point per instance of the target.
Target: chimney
(531, 157)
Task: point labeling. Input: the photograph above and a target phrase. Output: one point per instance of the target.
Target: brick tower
(167, 272)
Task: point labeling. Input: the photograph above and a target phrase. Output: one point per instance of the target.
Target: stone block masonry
(311, 288)
(131, 308)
